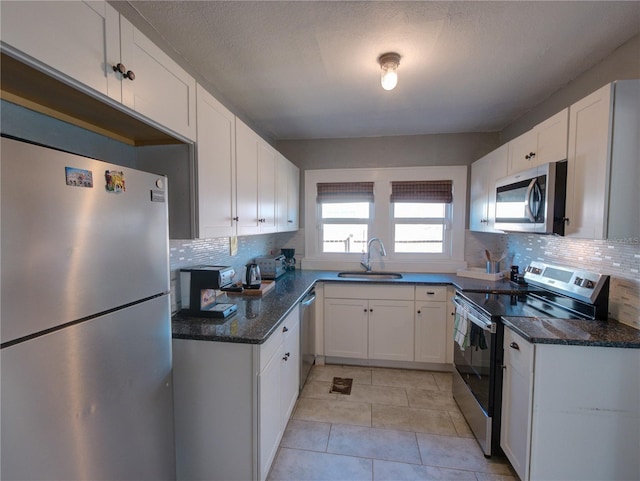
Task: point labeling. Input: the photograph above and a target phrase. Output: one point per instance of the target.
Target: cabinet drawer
(518, 352)
(431, 293)
(368, 291)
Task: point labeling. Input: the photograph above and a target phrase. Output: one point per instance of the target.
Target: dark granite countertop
(258, 317)
(575, 332)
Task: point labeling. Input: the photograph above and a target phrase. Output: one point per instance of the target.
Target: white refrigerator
(85, 353)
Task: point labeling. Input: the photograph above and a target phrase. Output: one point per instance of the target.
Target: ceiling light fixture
(389, 64)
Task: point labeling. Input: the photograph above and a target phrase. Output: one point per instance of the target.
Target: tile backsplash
(216, 252)
(619, 260)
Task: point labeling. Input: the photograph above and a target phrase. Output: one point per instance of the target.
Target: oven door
(474, 359)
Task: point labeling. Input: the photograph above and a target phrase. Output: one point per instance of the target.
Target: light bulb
(389, 64)
(389, 78)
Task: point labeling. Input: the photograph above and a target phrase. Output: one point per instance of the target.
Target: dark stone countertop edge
(601, 333)
(281, 302)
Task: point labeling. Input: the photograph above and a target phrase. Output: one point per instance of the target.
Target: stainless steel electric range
(551, 292)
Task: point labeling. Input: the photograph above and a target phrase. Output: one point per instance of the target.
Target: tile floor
(396, 425)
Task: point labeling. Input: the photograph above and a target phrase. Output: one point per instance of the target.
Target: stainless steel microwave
(533, 200)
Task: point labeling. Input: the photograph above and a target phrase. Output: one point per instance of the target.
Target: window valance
(430, 191)
(344, 192)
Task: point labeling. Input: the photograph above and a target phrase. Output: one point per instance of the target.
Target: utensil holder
(493, 267)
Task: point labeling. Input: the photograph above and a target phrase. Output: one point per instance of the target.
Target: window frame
(381, 223)
(445, 221)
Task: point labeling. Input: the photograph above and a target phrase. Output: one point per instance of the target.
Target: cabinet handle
(287, 354)
(530, 156)
(120, 68)
(130, 75)
(290, 221)
(431, 293)
(370, 310)
(418, 312)
(515, 346)
(285, 329)
(285, 358)
(365, 309)
(235, 218)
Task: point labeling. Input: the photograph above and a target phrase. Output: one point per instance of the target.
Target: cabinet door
(79, 40)
(391, 330)
(587, 168)
(162, 90)
(246, 179)
(520, 152)
(431, 332)
(216, 167)
(517, 390)
(269, 412)
(345, 328)
(290, 366)
(267, 157)
(484, 173)
(551, 139)
(546, 142)
(287, 181)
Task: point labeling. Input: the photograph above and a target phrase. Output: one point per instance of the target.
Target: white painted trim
(381, 226)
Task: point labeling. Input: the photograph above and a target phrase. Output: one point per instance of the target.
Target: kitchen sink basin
(370, 275)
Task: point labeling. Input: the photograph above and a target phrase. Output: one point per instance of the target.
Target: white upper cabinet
(288, 189)
(75, 40)
(246, 179)
(161, 89)
(603, 172)
(85, 43)
(267, 162)
(216, 160)
(546, 142)
(484, 173)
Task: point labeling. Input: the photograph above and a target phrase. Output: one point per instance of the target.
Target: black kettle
(251, 277)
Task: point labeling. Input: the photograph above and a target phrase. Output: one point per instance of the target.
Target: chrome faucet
(367, 264)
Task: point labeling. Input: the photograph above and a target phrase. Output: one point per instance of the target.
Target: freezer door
(71, 251)
(91, 401)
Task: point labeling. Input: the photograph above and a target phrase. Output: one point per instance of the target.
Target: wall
(623, 63)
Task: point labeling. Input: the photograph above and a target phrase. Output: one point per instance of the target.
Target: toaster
(271, 267)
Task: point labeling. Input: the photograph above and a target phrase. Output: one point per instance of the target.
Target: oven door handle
(472, 317)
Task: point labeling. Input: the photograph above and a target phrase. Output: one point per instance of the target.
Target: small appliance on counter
(289, 260)
(271, 267)
(251, 278)
(198, 287)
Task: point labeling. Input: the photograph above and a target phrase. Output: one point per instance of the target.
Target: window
(420, 216)
(345, 211)
(421, 222)
(419, 228)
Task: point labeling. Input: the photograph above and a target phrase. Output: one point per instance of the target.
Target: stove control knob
(588, 284)
(578, 281)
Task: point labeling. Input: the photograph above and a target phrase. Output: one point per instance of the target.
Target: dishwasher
(307, 336)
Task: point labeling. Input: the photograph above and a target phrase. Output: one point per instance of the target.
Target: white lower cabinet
(431, 339)
(570, 412)
(232, 402)
(386, 322)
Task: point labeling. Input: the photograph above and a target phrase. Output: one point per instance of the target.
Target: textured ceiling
(305, 69)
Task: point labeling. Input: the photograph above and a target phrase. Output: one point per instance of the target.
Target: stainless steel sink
(370, 275)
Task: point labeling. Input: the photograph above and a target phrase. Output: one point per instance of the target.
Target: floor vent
(341, 385)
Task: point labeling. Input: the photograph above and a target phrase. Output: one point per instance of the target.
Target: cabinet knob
(287, 354)
(370, 310)
(285, 329)
(130, 75)
(235, 218)
(431, 293)
(418, 312)
(290, 221)
(365, 309)
(120, 68)
(514, 345)
(285, 358)
(530, 156)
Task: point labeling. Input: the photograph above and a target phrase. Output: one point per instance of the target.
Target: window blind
(429, 191)
(344, 192)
